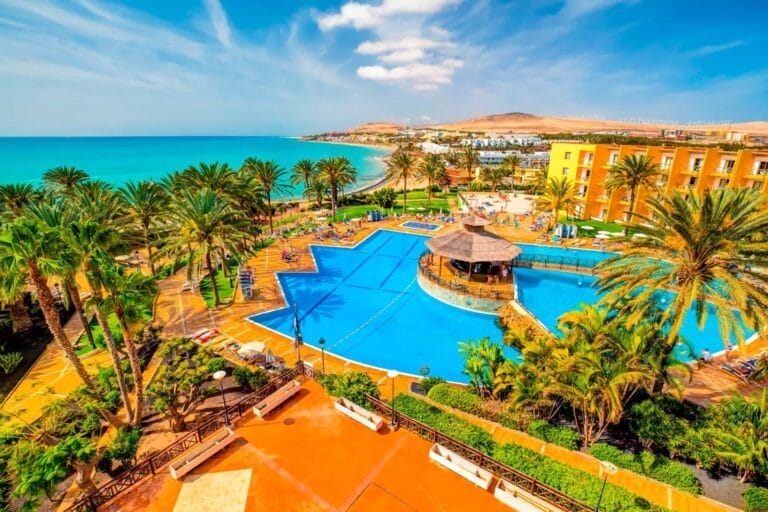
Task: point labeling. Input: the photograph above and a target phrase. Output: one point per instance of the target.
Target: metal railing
(209, 424)
(558, 262)
(499, 469)
(461, 288)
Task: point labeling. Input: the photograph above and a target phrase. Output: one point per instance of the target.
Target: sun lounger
(274, 400)
(199, 454)
(736, 371)
(461, 466)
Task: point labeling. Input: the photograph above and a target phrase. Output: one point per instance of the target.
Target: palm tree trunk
(148, 246)
(334, 198)
(115, 357)
(429, 191)
(74, 296)
(51, 315)
(212, 275)
(133, 358)
(20, 320)
(225, 262)
(269, 213)
(405, 192)
(632, 198)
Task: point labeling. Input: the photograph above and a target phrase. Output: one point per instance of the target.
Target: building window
(613, 158)
(696, 164)
(727, 165)
(666, 164)
(567, 155)
(757, 185)
(761, 168)
(565, 171)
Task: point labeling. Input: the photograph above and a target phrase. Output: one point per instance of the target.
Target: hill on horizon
(524, 122)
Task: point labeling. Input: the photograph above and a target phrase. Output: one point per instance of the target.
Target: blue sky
(78, 67)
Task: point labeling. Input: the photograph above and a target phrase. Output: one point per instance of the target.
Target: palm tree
(336, 172)
(145, 202)
(401, 166)
(494, 175)
(129, 297)
(511, 163)
(433, 168)
(13, 198)
(64, 178)
(692, 246)
(303, 172)
(203, 222)
(559, 195)
(30, 248)
(469, 159)
(316, 190)
(632, 172)
(742, 439)
(269, 175)
(214, 176)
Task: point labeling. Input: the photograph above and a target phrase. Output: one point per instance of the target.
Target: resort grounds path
(51, 377)
(307, 456)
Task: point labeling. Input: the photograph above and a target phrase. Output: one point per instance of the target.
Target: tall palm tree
(145, 203)
(692, 246)
(511, 163)
(316, 190)
(303, 172)
(203, 222)
(470, 159)
(433, 168)
(269, 175)
(64, 178)
(401, 166)
(559, 195)
(129, 296)
(13, 198)
(31, 248)
(632, 172)
(336, 172)
(218, 177)
(494, 175)
(742, 439)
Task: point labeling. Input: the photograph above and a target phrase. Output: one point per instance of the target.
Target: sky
(186, 67)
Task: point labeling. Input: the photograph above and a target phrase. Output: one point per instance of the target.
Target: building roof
(473, 243)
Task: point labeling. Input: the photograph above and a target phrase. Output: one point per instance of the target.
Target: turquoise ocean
(117, 160)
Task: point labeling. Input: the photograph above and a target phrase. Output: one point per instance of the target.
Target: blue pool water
(366, 304)
(412, 224)
(593, 257)
(550, 293)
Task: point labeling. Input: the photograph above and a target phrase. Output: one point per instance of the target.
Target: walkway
(300, 459)
(50, 378)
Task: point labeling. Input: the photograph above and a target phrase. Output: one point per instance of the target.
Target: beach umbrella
(602, 236)
(587, 228)
(297, 341)
(252, 349)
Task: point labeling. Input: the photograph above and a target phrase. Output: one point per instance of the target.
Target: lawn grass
(226, 285)
(84, 346)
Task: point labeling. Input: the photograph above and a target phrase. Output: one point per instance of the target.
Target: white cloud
(576, 8)
(407, 43)
(402, 56)
(425, 75)
(219, 22)
(358, 16)
(709, 49)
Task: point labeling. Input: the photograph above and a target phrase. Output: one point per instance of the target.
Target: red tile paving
(309, 457)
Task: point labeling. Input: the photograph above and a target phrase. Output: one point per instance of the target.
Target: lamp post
(219, 376)
(607, 469)
(392, 374)
(321, 342)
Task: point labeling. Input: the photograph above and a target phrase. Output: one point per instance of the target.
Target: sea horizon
(120, 159)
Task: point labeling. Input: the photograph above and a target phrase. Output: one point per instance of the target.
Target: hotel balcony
(661, 184)
(583, 178)
(691, 170)
(723, 171)
(603, 198)
(759, 174)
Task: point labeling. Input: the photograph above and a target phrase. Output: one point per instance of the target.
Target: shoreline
(375, 145)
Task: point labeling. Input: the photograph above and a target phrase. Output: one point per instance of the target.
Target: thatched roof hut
(472, 243)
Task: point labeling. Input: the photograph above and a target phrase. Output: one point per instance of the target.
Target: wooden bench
(461, 466)
(270, 403)
(191, 459)
(359, 414)
(521, 500)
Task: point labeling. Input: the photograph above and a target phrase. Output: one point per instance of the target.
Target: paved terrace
(307, 456)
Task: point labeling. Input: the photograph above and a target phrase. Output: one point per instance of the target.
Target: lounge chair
(737, 371)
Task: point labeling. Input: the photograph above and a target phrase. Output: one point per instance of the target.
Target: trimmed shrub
(455, 397)
(573, 482)
(216, 364)
(651, 465)
(122, 449)
(352, 385)
(458, 428)
(756, 499)
(561, 436)
(427, 383)
(9, 361)
(250, 379)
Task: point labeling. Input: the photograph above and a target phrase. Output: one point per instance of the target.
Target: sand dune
(521, 122)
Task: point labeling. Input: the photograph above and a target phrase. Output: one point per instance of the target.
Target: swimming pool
(412, 224)
(586, 257)
(550, 293)
(366, 304)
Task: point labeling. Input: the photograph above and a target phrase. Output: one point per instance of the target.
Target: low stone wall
(455, 298)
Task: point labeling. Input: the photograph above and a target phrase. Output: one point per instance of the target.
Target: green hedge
(457, 398)
(351, 385)
(755, 499)
(561, 436)
(466, 401)
(651, 465)
(573, 482)
(447, 423)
